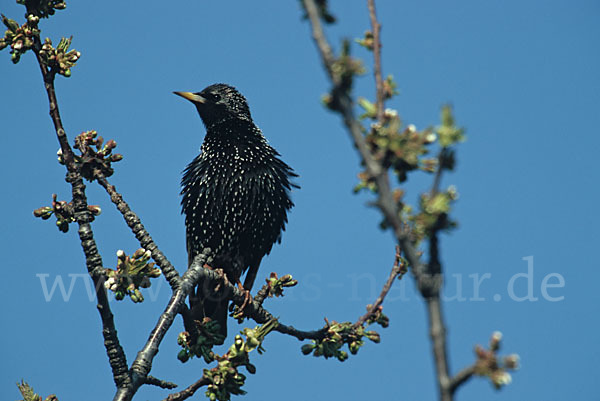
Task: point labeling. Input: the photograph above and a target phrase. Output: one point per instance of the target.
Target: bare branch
(188, 392)
(319, 37)
(431, 294)
(376, 28)
(153, 381)
(437, 179)
(136, 226)
(396, 270)
(437, 331)
(461, 378)
(442, 157)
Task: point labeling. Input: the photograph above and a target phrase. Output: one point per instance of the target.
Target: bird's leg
(223, 277)
(247, 295)
(221, 274)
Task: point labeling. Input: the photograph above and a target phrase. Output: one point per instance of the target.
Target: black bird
(236, 195)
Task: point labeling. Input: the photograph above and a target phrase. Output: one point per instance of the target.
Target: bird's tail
(204, 302)
(216, 310)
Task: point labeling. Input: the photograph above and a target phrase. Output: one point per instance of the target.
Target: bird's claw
(222, 275)
(247, 296)
(238, 311)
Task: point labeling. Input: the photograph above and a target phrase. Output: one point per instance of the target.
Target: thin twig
(396, 270)
(376, 28)
(153, 381)
(437, 179)
(116, 355)
(461, 378)
(144, 238)
(262, 294)
(301, 334)
(188, 392)
(319, 37)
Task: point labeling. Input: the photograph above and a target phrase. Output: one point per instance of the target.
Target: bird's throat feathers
(234, 130)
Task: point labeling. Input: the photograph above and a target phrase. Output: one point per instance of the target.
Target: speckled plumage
(235, 192)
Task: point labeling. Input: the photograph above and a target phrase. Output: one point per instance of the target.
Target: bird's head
(217, 103)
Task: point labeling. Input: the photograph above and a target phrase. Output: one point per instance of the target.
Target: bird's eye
(213, 97)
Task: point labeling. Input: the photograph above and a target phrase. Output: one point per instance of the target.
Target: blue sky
(524, 80)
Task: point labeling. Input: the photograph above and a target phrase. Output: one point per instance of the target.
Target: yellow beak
(192, 97)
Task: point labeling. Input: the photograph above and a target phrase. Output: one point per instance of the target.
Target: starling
(236, 195)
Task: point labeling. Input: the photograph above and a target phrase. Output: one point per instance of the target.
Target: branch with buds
(132, 273)
(388, 146)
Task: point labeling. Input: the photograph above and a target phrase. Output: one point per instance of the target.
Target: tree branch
(431, 294)
(144, 238)
(188, 392)
(461, 378)
(153, 381)
(437, 179)
(437, 332)
(345, 106)
(116, 356)
(327, 55)
(428, 277)
(142, 365)
(376, 28)
(396, 271)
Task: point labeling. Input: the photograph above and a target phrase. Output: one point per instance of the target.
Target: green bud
(43, 212)
(448, 132)
(183, 356)
(354, 346)
(511, 361)
(373, 336)
(34, 19)
(10, 24)
(307, 348)
(367, 41)
(63, 45)
(327, 101)
(95, 210)
(182, 338)
(370, 108)
(251, 368)
(139, 253)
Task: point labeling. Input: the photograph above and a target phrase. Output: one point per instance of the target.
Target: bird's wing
(251, 275)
